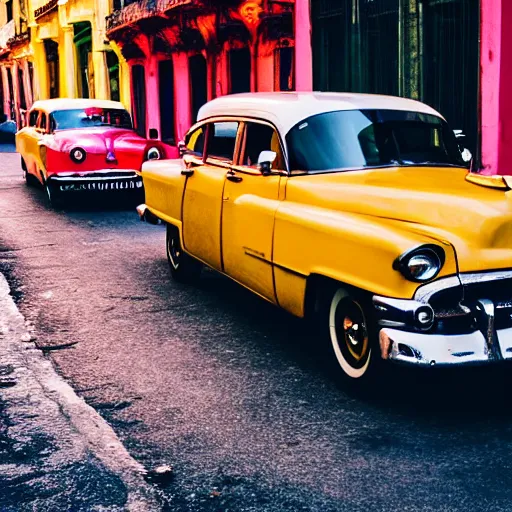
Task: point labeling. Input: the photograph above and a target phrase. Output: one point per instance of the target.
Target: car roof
(286, 109)
(74, 103)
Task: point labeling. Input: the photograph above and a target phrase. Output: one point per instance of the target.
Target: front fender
(355, 249)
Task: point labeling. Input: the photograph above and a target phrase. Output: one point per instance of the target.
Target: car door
(38, 147)
(250, 202)
(202, 201)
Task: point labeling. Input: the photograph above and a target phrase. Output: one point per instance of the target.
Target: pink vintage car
(76, 145)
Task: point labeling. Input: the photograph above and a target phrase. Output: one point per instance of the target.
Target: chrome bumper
(97, 180)
(472, 324)
(444, 350)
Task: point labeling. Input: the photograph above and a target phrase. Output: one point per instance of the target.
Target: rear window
(90, 117)
(355, 139)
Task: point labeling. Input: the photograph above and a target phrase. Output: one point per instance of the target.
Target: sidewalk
(56, 452)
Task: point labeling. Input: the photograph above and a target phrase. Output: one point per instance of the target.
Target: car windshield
(90, 117)
(358, 139)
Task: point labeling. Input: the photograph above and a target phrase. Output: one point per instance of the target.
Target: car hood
(438, 202)
(99, 140)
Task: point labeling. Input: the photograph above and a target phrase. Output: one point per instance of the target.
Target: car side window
(194, 141)
(222, 140)
(262, 137)
(42, 122)
(32, 120)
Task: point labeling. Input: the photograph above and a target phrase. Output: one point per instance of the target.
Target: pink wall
(182, 99)
(303, 48)
(496, 76)
(152, 94)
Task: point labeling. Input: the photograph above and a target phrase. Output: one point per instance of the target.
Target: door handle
(187, 172)
(231, 176)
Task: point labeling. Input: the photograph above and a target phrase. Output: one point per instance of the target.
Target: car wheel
(29, 179)
(183, 267)
(53, 195)
(345, 320)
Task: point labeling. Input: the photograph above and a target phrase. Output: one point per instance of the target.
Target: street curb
(80, 428)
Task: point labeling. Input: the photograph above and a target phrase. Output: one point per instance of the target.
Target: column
(101, 79)
(411, 50)
(69, 63)
(41, 87)
(182, 94)
(303, 49)
(221, 73)
(27, 84)
(16, 91)
(152, 94)
(496, 73)
(124, 77)
(7, 94)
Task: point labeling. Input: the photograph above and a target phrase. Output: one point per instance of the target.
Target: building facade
(72, 57)
(165, 58)
(182, 53)
(16, 67)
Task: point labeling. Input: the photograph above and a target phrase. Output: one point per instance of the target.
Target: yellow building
(16, 69)
(71, 55)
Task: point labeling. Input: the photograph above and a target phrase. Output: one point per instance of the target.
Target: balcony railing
(141, 10)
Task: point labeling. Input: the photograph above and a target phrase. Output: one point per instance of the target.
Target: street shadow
(89, 202)
(446, 395)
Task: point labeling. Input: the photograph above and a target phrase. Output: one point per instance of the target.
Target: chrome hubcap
(350, 331)
(174, 252)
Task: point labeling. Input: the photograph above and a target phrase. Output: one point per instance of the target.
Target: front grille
(455, 307)
(101, 185)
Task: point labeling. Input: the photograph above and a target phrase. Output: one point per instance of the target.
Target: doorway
(239, 70)
(198, 80)
(83, 43)
(52, 57)
(139, 98)
(166, 88)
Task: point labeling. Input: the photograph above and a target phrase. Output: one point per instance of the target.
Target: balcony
(142, 10)
(18, 40)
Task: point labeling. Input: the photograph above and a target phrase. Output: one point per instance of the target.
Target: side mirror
(466, 154)
(265, 161)
(182, 148)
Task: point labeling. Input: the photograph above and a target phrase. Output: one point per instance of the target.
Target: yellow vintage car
(356, 210)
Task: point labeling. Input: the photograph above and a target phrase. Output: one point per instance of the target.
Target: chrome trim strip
(129, 172)
(424, 293)
(482, 277)
(274, 264)
(93, 178)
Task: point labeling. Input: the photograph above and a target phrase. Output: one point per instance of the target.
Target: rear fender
(164, 185)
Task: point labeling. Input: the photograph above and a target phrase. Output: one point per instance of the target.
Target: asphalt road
(233, 393)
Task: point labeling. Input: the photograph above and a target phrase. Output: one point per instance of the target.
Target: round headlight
(154, 154)
(422, 264)
(78, 155)
(423, 267)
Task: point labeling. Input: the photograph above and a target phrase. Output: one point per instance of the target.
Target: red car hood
(105, 147)
(99, 140)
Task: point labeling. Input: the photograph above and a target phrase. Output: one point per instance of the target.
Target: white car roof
(56, 104)
(286, 109)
